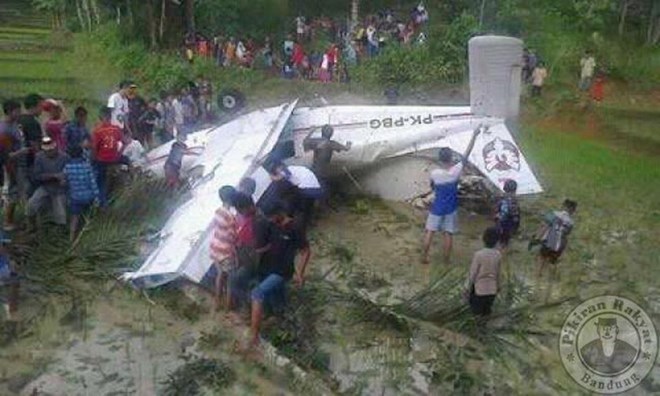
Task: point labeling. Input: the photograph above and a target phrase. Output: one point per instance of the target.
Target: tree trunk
(190, 15)
(624, 14)
(93, 4)
(80, 15)
(88, 14)
(129, 13)
(355, 13)
(118, 15)
(163, 14)
(481, 14)
(151, 22)
(653, 30)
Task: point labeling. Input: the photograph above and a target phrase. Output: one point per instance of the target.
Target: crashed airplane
(393, 148)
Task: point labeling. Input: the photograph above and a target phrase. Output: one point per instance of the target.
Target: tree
(653, 29)
(355, 10)
(151, 23)
(190, 15)
(625, 4)
(56, 8)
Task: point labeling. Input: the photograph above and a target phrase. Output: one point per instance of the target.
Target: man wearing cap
(443, 212)
(118, 103)
(607, 354)
(51, 187)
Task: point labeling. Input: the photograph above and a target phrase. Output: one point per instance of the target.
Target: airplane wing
(380, 134)
(183, 248)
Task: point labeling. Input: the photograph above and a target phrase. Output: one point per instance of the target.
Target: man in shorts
(553, 235)
(223, 243)
(279, 239)
(443, 212)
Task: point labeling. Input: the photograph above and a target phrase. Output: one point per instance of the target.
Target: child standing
(553, 235)
(507, 217)
(83, 190)
(484, 278)
(223, 243)
(539, 75)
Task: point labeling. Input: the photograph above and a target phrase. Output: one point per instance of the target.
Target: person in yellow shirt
(230, 52)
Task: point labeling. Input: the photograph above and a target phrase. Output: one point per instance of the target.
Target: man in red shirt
(106, 151)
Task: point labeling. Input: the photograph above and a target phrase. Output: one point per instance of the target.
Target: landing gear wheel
(231, 101)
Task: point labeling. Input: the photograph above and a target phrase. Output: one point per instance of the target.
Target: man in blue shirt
(442, 214)
(76, 133)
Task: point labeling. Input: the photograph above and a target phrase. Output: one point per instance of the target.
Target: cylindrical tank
(495, 76)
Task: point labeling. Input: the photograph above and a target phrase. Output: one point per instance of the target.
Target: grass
(618, 215)
(618, 190)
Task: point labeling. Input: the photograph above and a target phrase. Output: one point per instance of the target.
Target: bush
(158, 71)
(441, 61)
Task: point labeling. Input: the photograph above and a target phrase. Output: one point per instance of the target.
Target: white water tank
(495, 75)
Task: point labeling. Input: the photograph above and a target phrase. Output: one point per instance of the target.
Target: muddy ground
(125, 342)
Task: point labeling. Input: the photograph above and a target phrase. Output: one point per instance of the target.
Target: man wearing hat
(607, 354)
(118, 103)
(49, 175)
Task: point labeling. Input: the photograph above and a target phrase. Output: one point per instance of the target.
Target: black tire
(231, 101)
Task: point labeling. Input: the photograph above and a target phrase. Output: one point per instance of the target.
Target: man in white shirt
(300, 28)
(587, 67)
(118, 103)
(179, 118)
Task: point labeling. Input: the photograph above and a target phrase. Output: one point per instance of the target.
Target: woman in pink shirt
(54, 127)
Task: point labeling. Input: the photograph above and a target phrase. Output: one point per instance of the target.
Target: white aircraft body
(398, 144)
(393, 149)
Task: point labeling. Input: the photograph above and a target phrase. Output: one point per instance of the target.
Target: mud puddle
(121, 344)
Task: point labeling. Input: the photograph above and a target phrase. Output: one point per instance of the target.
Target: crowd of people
(51, 165)
(591, 81)
(60, 163)
(366, 39)
(255, 246)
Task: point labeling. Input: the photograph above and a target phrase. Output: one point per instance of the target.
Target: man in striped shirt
(223, 243)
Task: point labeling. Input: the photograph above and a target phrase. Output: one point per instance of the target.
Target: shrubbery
(441, 60)
(157, 71)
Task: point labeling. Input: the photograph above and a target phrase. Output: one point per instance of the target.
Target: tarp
(230, 152)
